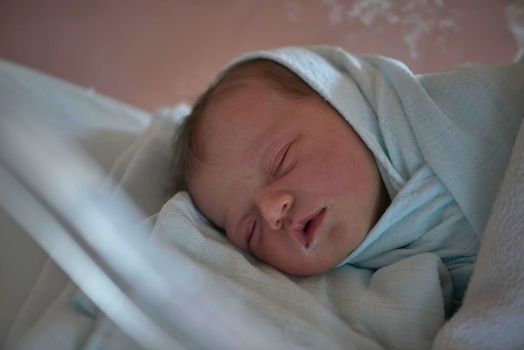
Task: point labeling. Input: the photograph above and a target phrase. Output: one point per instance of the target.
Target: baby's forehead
(240, 108)
(236, 89)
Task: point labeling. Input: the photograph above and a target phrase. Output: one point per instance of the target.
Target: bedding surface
(402, 304)
(103, 127)
(492, 316)
(348, 308)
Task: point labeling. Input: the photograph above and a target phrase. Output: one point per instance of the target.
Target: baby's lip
(306, 229)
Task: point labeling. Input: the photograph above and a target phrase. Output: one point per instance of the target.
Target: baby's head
(277, 168)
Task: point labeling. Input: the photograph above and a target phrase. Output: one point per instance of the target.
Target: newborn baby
(310, 158)
(279, 170)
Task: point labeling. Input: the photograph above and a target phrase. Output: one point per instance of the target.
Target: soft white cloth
(515, 17)
(346, 308)
(102, 127)
(349, 308)
(441, 141)
(142, 171)
(492, 316)
(398, 306)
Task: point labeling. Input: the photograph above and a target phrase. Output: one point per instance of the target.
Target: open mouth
(311, 226)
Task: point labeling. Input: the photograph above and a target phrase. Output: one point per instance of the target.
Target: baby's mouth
(310, 227)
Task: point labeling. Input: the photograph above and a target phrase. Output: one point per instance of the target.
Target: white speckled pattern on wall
(156, 53)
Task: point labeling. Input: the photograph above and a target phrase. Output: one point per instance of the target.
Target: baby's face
(286, 178)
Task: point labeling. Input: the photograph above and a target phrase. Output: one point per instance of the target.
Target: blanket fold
(395, 290)
(492, 316)
(348, 308)
(441, 142)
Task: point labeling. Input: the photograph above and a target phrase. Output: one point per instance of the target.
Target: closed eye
(250, 233)
(282, 163)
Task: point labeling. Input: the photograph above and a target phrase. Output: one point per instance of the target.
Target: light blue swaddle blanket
(441, 141)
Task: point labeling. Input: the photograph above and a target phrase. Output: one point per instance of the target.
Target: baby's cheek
(311, 177)
(336, 172)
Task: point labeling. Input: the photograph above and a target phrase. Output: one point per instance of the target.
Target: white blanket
(399, 306)
(346, 308)
(441, 142)
(492, 316)
(102, 127)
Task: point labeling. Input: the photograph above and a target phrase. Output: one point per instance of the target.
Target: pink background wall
(152, 53)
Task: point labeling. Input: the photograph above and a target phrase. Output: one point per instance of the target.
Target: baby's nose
(274, 207)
